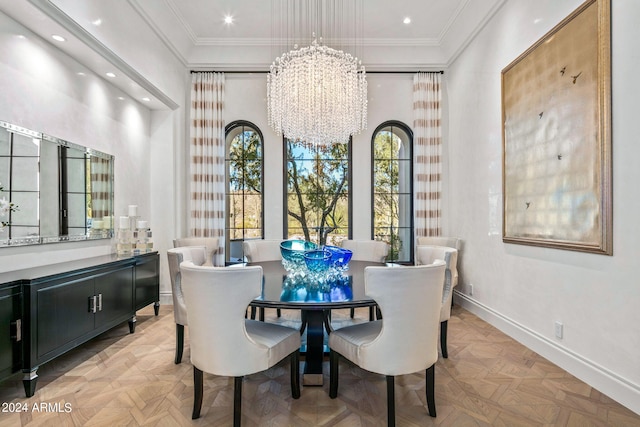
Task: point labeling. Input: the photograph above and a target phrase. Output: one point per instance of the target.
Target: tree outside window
(318, 202)
(392, 194)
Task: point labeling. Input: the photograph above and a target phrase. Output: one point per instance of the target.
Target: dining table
(315, 295)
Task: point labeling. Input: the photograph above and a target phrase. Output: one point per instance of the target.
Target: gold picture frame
(556, 129)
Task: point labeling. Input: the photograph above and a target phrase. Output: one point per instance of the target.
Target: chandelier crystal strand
(317, 95)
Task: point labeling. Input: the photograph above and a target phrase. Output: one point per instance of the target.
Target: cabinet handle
(92, 304)
(99, 302)
(16, 330)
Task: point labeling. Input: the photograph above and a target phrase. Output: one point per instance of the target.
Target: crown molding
(159, 33)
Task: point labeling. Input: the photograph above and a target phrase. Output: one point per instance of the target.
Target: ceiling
(98, 32)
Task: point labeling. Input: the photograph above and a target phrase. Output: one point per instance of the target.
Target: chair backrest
(451, 242)
(367, 250)
(429, 254)
(262, 250)
(175, 256)
(211, 243)
(409, 299)
(216, 300)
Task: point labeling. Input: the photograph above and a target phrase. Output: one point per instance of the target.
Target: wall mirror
(61, 191)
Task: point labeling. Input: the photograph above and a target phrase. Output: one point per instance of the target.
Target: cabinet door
(116, 288)
(63, 314)
(147, 281)
(10, 348)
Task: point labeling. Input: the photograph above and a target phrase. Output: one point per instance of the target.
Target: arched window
(244, 187)
(392, 189)
(317, 182)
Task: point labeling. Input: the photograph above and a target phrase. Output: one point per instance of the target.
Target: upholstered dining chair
(210, 243)
(222, 341)
(405, 340)
(175, 256)
(259, 250)
(450, 242)
(428, 255)
(366, 250)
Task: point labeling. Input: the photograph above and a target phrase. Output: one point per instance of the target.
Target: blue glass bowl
(293, 250)
(339, 257)
(318, 260)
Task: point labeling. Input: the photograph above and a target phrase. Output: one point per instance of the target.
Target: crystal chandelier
(317, 95)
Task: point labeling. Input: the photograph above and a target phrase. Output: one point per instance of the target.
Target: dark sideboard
(49, 310)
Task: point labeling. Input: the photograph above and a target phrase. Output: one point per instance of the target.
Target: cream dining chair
(405, 340)
(428, 255)
(260, 250)
(222, 341)
(175, 256)
(366, 250)
(210, 243)
(450, 242)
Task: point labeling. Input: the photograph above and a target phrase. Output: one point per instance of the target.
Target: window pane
(300, 172)
(384, 176)
(317, 202)
(252, 212)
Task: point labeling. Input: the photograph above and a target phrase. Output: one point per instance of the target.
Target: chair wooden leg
(431, 393)
(353, 313)
(295, 374)
(197, 392)
(237, 401)
(278, 312)
(443, 338)
(334, 358)
(391, 401)
(179, 342)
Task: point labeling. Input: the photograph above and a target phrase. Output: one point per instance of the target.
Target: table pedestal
(312, 373)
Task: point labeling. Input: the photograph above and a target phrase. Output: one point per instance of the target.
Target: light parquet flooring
(122, 379)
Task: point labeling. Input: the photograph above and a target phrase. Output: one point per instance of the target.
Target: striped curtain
(100, 175)
(207, 198)
(427, 162)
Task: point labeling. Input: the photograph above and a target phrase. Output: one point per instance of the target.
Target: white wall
(523, 289)
(41, 90)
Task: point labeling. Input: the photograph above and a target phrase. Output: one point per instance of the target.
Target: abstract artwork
(556, 111)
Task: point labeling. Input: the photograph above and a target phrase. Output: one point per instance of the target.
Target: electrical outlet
(470, 289)
(559, 329)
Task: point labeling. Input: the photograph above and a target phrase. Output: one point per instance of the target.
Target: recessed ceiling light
(121, 98)
(97, 22)
(228, 19)
(145, 99)
(20, 36)
(406, 20)
(58, 38)
(110, 75)
(80, 73)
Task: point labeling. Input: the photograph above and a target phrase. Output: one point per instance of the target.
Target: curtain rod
(265, 72)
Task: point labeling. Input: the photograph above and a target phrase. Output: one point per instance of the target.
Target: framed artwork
(556, 129)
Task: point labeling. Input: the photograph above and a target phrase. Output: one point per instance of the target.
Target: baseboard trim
(611, 384)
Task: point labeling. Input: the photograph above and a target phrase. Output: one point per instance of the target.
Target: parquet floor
(120, 379)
